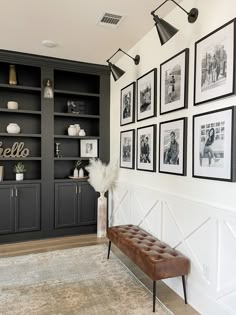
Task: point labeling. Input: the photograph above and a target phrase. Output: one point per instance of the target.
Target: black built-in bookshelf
(44, 122)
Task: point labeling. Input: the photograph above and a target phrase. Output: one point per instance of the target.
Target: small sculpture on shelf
(19, 169)
(48, 90)
(12, 75)
(58, 150)
(73, 107)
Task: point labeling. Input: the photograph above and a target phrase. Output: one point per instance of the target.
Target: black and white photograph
(213, 147)
(127, 104)
(174, 83)
(146, 95)
(127, 149)
(215, 64)
(172, 146)
(89, 148)
(146, 148)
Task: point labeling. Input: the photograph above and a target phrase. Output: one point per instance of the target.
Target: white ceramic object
(82, 133)
(77, 126)
(13, 128)
(12, 105)
(72, 130)
(81, 172)
(76, 173)
(19, 176)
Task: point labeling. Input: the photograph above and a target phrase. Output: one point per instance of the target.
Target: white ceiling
(72, 24)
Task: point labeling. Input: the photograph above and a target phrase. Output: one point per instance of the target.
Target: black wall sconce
(166, 30)
(116, 71)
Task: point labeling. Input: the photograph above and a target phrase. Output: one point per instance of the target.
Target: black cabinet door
(27, 201)
(7, 213)
(66, 204)
(88, 204)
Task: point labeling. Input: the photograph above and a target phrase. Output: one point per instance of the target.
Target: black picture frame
(146, 154)
(147, 95)
(173, 146)
(174, 82)
(214, 65)
(88, 148)
(214, 149)
(127, 149)
(127, 104)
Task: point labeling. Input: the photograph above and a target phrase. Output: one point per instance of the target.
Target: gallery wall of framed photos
(194, 210)
(214, 78)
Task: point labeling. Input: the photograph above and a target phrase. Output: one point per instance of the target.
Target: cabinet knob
(16, 192)
(12, 192)
(76, 189)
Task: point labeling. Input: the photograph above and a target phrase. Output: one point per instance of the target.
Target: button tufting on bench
(154, 257)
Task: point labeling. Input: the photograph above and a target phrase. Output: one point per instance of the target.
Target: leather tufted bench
(155, 258)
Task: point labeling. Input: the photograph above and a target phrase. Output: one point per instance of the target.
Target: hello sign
(16, 151)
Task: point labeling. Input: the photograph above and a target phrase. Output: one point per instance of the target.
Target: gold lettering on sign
(16, 151)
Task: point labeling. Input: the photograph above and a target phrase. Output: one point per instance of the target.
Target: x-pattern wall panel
(203, 232)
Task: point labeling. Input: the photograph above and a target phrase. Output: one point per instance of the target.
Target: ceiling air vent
(110, 19)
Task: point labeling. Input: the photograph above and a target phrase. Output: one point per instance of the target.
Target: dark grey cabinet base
(75, 204)
(20, 208)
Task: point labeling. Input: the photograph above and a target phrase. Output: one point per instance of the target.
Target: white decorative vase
(13, 128)
(12, 105)
(72, 130)
(102, 216)
(82, 133)
(77, 126)
(81, 172)
(19, 176)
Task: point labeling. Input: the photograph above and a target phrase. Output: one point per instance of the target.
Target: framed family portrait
(146, 95)
(127, 104)
(127, 149)
(172, 146)
(89, 148)
(146, 148)
(214, 145)
(215, 64)
(174, 83)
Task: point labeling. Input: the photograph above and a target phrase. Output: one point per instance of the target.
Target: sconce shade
(164, 29)
(116, 71)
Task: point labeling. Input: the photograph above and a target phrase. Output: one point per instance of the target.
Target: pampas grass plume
(102, 176)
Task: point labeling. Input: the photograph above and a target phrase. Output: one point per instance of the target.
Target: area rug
(72, 281)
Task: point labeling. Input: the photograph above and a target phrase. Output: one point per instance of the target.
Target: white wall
(196, 216)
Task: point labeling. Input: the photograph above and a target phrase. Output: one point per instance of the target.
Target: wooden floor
(164, 293)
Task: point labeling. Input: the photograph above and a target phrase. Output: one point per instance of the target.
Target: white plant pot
(19, 176)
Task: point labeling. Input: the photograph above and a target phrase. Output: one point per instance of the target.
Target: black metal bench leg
(109, 249)
(154, 295)
(184, 287)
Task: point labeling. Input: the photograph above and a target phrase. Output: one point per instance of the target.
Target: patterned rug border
(103, 247)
